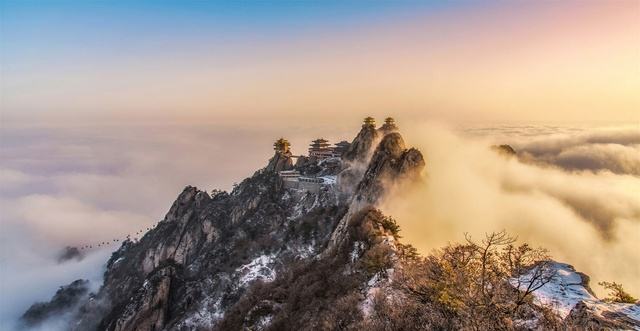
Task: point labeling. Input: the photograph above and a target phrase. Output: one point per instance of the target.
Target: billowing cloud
(613, 149)
(589, 219)
(616, 158)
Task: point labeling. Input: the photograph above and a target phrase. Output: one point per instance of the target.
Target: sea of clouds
(572, 190)
(83, 185)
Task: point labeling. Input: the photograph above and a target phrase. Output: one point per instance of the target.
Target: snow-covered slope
(564, 291)
(569, 295)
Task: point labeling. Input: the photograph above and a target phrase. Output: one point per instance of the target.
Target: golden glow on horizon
(525, 62)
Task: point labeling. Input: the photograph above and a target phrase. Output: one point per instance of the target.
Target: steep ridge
(363, 144)
(390, 164)
(199, 262)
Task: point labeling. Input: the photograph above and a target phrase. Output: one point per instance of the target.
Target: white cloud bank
(616, 149)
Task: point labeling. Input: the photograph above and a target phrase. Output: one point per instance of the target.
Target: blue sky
(511, 60)
(32, 24)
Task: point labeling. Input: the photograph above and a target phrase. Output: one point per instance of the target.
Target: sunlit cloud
(588, 219)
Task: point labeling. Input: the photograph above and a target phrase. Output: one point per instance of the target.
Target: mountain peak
(362, 144)
(391, 162)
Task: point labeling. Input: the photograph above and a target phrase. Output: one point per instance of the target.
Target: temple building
(292, 179)
(321, 149)
(341, 147)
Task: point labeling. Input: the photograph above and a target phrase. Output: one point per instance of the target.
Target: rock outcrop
(280, 161)
(505, 150)
(66, 299)
(362, 145)
(589, 315)
(391, 163)
(357, 157)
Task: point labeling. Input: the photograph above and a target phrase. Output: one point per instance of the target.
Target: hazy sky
(475, 61)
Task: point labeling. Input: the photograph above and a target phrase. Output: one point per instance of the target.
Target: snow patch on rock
(264, 322)
(259, 268)
(331, 180)
(374, 285)
(567, 289)
(308, 251)
(563, 292)
(206, 316)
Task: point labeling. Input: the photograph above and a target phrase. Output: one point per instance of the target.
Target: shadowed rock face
(357, 157)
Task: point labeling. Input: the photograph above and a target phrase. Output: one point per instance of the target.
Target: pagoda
(369, 121)
(319, 144)
(282, 158)
(389, 125)
(389, 121)
(282, 146)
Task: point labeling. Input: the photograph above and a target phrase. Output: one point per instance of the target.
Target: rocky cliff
(210, 253)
